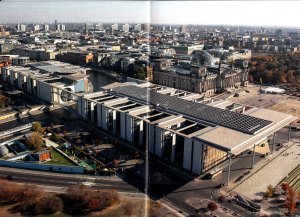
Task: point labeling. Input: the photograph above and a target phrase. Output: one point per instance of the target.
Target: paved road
(60, 180)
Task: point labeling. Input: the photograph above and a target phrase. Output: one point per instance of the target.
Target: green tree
(140, 73)
(37, 127)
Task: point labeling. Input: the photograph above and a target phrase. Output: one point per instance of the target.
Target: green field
(59, 159)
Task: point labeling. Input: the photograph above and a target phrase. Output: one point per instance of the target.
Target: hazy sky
(280, 13)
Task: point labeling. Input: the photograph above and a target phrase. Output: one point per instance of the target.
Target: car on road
(10, 177)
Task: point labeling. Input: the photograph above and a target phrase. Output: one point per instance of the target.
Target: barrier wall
(43, 167)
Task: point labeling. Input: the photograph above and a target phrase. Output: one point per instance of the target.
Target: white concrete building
(181, 128)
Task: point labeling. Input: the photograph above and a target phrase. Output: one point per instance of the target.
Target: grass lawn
(59, 159)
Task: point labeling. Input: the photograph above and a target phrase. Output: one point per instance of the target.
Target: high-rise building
(98, 26)
(22, 27)
(114, 27)
(57, 27)
(55, 22)
(146, 27)
(125, 27)
(63, 27)
(36, 27)
(138, 27)
(46, 27)
(182, 29)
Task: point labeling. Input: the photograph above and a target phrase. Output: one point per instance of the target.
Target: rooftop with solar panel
(188, 129)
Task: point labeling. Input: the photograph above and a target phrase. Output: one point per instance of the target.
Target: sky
(257, 13)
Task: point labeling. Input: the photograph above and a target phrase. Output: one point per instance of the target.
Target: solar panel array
(198, 111)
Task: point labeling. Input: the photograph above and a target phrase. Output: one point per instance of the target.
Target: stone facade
(208, 80)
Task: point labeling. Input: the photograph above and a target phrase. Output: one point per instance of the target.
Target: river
(98, 80)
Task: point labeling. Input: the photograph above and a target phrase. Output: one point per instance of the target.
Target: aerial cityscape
(149, 108)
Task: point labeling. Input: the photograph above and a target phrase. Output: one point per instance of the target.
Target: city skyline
(267, 13)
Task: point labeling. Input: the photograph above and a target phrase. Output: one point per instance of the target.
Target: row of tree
(275, 69)
(77, 199)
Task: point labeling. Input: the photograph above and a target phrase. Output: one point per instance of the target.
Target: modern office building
(182, 128)
(50, 81)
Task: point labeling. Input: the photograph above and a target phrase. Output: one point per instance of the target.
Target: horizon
(227, 13)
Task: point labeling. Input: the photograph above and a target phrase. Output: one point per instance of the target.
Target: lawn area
(59, 159)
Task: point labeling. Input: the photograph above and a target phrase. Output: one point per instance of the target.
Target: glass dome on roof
(202, 58)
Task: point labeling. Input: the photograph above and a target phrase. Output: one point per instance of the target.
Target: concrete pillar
(129, 128)
(99, 115)
(289, 133)
(92, 112)
(187, 153)
(114, 121)
(104, 117)
(141, 133)
(173, 153)
(273, 142)
(159, 141)
(229, 168)
(253, 156)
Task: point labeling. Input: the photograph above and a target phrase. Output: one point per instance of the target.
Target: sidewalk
(268, 171)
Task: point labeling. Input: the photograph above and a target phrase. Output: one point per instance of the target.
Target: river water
(98, 80)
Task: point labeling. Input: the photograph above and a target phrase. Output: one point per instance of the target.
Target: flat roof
(197, 111)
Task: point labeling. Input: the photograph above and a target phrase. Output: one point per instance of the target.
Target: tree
(221, 199)
(48, 205)
(212, 206)
(140, 73)
(37, 127)
(269, 191)
(34, 141)
(4, 101)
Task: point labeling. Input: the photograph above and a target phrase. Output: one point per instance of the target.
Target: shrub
(129, 208)
(48, 205)
(211, 206)
(34, 141)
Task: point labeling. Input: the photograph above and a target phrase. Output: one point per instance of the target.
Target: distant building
(75, 57)
(63, 27)
(34, 54)
(183, 29)
(98, 26)
(187, 49)
(203, 76)
(46, 27)
(23, 28)
(138, 27)
(146, 27)
(125, 27)
(114, 27)
(5, 48)
(36, 27)
(57, 27)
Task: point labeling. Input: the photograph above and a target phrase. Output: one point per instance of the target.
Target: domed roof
(202, 58)
(3, 151)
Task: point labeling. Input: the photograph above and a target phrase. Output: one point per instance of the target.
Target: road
(64, 180)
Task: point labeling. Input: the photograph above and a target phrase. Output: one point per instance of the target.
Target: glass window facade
(212, 157)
